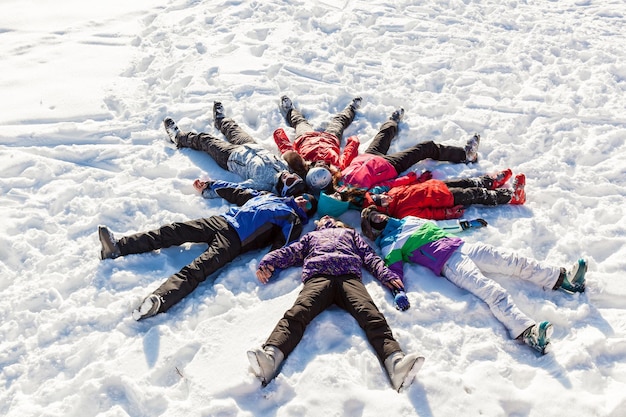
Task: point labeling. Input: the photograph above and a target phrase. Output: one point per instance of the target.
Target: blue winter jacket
(260, 215)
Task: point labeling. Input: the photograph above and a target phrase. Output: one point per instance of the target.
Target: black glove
(473, 224)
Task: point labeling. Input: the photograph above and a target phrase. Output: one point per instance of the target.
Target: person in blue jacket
(262, 219)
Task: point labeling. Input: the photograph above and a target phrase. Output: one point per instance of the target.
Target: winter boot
(172, 130)
(218, 114)
(397, 115)
(538, 336)
(402, 368)
(519, 194)
(471, 148)
(356, 103)
(265, 362)
(149, 307)
(574, 278)
(286, 105)
(110, 248)
(500, 178)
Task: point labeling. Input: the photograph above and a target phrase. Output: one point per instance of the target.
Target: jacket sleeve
(350, 151)
(229, 191)
(407, 179)
(434, 213)
(372, 262)
(282, 141)
(290, 255)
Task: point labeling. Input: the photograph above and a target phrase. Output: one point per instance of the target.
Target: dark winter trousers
(468, 191)
(403, 160)
(337, 124)
(218, 149)
(224, 246)
(345, 291)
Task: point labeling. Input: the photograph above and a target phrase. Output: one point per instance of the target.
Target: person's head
(332, 204)
(308, 203)
(373, 222)
(327, 222)
(290, 184)
(318, 178)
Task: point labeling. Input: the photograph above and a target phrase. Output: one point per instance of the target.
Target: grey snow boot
(149, 307)
(110, 248)
(402, 368)
(218, 114)
(286, 105)
(471, 148)
(172, 130)
(265, 362)
(397, 115)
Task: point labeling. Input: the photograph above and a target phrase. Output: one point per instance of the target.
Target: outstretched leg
(475, 195)
(464, 273)
(315, 297)
(353, 297)
(342, 120)
(403, 160)
(217, 149)
(382, 141)
(235, 133)
(298, 122)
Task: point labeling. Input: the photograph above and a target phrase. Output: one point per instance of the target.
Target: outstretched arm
(230, 191)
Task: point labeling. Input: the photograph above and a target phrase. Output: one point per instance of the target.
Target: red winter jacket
(428, 200)
(319, 146)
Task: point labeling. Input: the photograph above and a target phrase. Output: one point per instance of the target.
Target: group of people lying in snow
(411, 219)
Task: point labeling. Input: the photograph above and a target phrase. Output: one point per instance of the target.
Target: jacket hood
(331, 206)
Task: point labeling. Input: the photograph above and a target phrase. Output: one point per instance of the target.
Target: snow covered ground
(85, 88)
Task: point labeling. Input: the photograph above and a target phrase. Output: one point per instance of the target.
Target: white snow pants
(465, 269)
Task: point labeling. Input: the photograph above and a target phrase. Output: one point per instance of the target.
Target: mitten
(425, 176)
(454, 212)
(401, 300)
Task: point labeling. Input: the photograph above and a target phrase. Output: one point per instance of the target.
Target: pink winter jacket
(367, 171)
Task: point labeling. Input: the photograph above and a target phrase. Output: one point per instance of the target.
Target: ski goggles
(289, 183)
(309, 205)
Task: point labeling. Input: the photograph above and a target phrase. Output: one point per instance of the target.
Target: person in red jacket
(314, 146)
(374, 167)
(447, 199)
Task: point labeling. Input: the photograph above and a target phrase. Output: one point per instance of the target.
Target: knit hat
(333, 207)
(369, 227)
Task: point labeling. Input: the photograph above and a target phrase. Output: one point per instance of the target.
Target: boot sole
(256, 367)
(410, 376)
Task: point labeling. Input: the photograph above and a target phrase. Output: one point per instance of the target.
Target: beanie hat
(330, 206)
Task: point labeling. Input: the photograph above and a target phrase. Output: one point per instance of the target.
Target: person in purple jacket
(331, 257)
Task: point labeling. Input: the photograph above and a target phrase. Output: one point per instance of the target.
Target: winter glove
(425, 176)
(401, 300)
(473, 224)
(454, 212)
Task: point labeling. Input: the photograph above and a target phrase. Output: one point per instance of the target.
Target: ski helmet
(318, 178)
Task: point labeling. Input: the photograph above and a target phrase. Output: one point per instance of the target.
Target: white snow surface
(86, 85)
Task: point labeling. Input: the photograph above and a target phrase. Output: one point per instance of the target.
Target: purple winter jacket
(330, 250)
